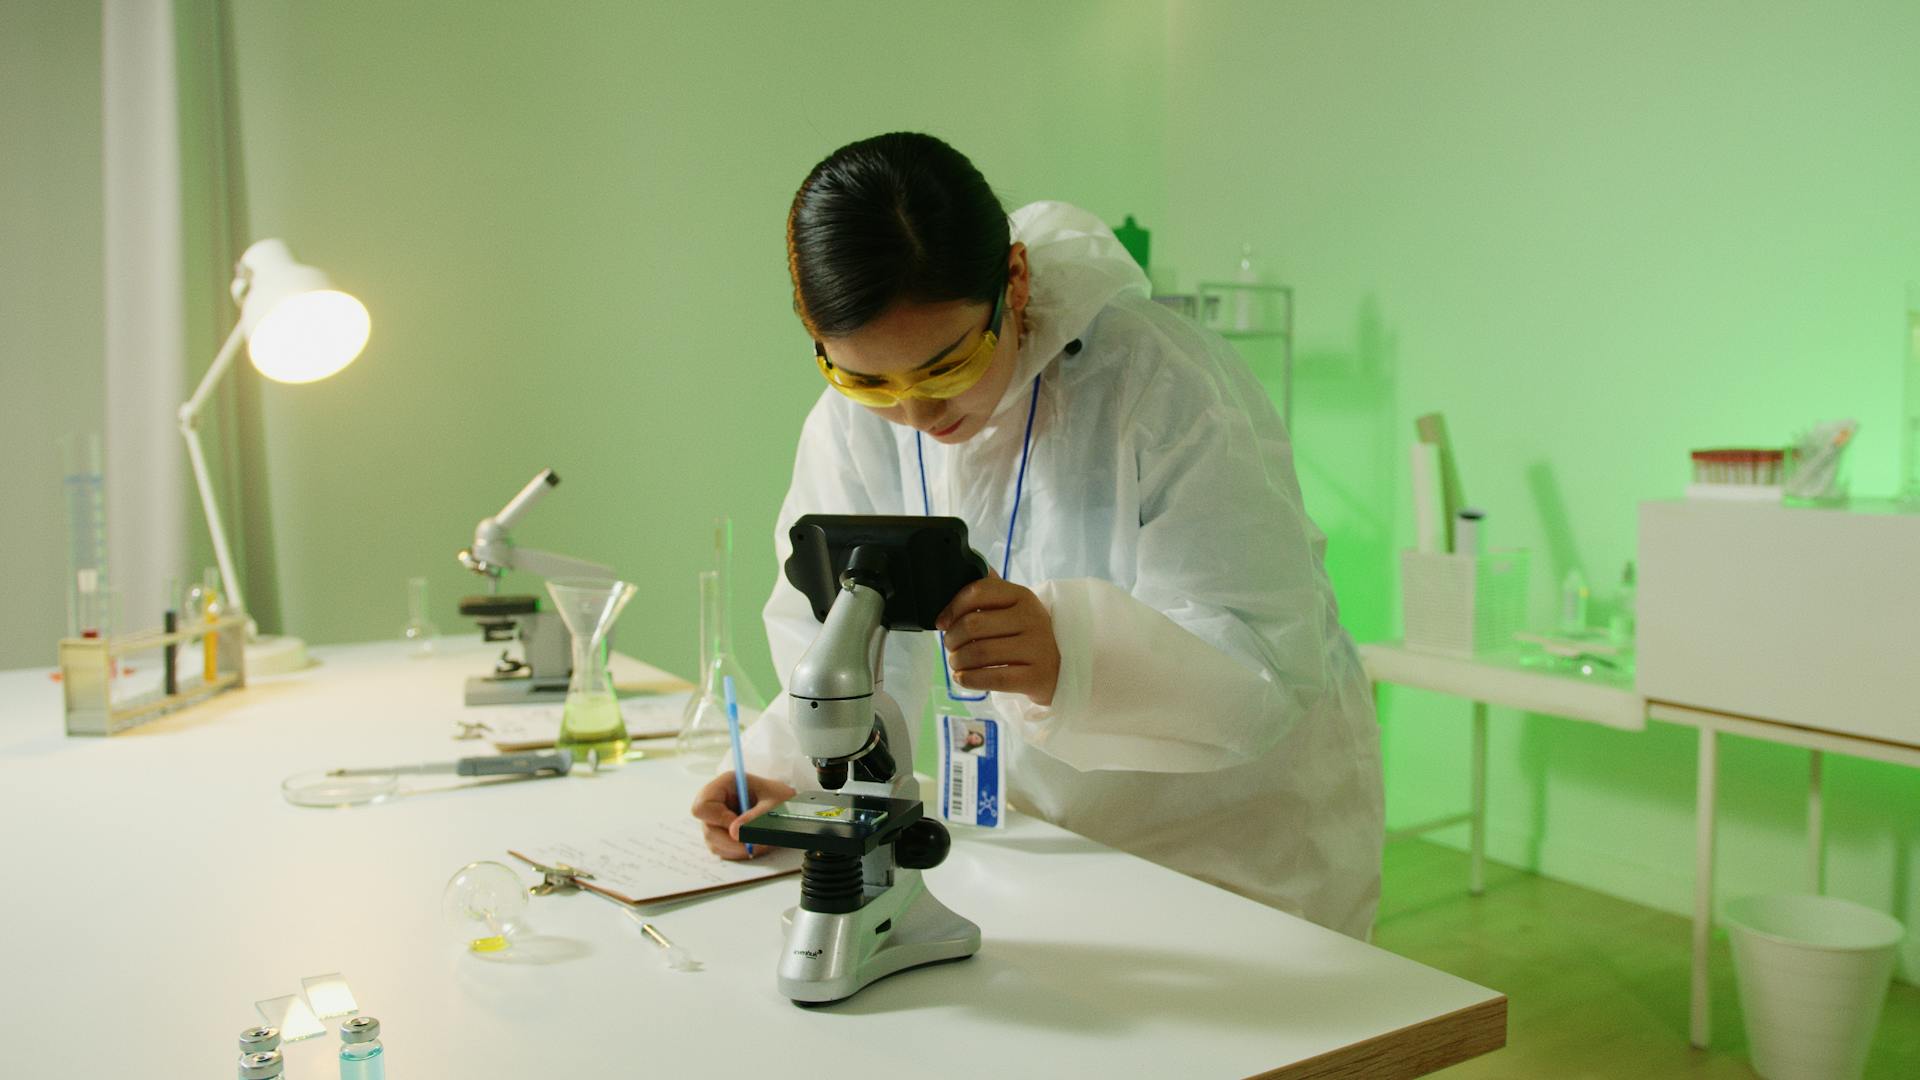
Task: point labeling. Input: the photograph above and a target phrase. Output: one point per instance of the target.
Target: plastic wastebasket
(1813, 973)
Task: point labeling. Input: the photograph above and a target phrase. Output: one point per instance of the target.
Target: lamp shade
(299, 327)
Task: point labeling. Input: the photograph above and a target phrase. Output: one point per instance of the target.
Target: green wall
(568, 223)
(1594, 236)
(52, 344)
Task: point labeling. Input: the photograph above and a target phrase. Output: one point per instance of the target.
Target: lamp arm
(190, 430)
(190, 412)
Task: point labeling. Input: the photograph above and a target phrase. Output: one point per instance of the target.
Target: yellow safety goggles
(947, 379)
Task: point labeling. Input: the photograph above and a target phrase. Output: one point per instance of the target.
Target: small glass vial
(211, 611)
(361, 1056)
(263, 1065)
(420, 630)
(259, 1040)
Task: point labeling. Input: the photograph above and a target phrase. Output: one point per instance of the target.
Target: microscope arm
(493, 552)
(548, 565)
(832, 686)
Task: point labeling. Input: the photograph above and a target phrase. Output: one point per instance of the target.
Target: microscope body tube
(491, 548)
(524, 501)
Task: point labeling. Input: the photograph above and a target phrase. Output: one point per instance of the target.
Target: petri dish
(318, 789)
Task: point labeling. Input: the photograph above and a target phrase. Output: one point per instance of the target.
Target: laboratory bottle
(1620, 627)
(1138, 241)
(1574, 595)
(361, 1056)
(1243, 298)
(262, 1065)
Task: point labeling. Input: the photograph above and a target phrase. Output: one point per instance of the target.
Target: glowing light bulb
(309, 336)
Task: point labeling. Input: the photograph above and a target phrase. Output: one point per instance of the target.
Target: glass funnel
(591, 725)
(704, 739)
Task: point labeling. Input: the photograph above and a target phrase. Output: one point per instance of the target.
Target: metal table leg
(1477, 829)
(1703, 884)
(1816, 826)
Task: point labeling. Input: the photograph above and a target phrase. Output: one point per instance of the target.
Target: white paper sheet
(657, 862)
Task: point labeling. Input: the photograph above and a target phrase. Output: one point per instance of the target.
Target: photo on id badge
(973, 770)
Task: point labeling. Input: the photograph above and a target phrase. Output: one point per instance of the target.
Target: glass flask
(419, 631)
(704, 740)
(485, 906)
(591, 724)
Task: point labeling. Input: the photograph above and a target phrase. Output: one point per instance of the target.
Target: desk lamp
(298, 328)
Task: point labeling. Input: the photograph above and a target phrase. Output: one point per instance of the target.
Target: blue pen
(739, 759)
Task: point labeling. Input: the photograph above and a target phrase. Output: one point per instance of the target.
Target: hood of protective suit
(1076, 266)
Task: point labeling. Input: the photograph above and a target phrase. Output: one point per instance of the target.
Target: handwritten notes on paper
(657, 862)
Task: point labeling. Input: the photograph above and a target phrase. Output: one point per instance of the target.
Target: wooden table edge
(1414, 1050)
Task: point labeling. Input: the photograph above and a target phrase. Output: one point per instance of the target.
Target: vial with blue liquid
(361, 1056)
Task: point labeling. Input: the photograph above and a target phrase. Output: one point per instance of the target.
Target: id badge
(973, 770)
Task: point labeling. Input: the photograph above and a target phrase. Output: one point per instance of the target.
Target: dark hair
(894, 217)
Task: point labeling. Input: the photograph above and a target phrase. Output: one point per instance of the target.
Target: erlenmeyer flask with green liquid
(591, 725)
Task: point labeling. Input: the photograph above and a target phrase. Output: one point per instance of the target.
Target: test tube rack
(91, 673)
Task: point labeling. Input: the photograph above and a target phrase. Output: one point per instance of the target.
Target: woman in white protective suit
(1160, 639)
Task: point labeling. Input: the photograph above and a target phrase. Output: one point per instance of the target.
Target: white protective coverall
(1211, 714)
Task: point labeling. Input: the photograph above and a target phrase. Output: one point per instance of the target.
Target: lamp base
(275, 655)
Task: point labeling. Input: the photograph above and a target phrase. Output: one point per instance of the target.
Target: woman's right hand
(714, 809)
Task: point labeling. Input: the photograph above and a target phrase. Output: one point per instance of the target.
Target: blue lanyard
(1006, 564)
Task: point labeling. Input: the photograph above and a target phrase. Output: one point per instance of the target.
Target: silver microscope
(546, 661)
(864, 911)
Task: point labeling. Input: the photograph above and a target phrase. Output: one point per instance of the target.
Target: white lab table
(1611, 700)
(157, 885)
(1500, 679)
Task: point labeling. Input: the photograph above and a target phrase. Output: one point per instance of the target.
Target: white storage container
(1463, 605)
(1803, 616)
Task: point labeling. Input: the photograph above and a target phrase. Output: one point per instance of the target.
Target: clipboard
(658, 863)
(520, 728)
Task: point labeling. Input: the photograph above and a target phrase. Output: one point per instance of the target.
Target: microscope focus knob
(922, 845)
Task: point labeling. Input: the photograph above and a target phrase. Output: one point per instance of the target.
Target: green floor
(1596, 987)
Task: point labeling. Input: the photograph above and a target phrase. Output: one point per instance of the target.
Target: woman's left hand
(1000, 637)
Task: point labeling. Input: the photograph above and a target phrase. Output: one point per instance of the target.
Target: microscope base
(832, 957)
